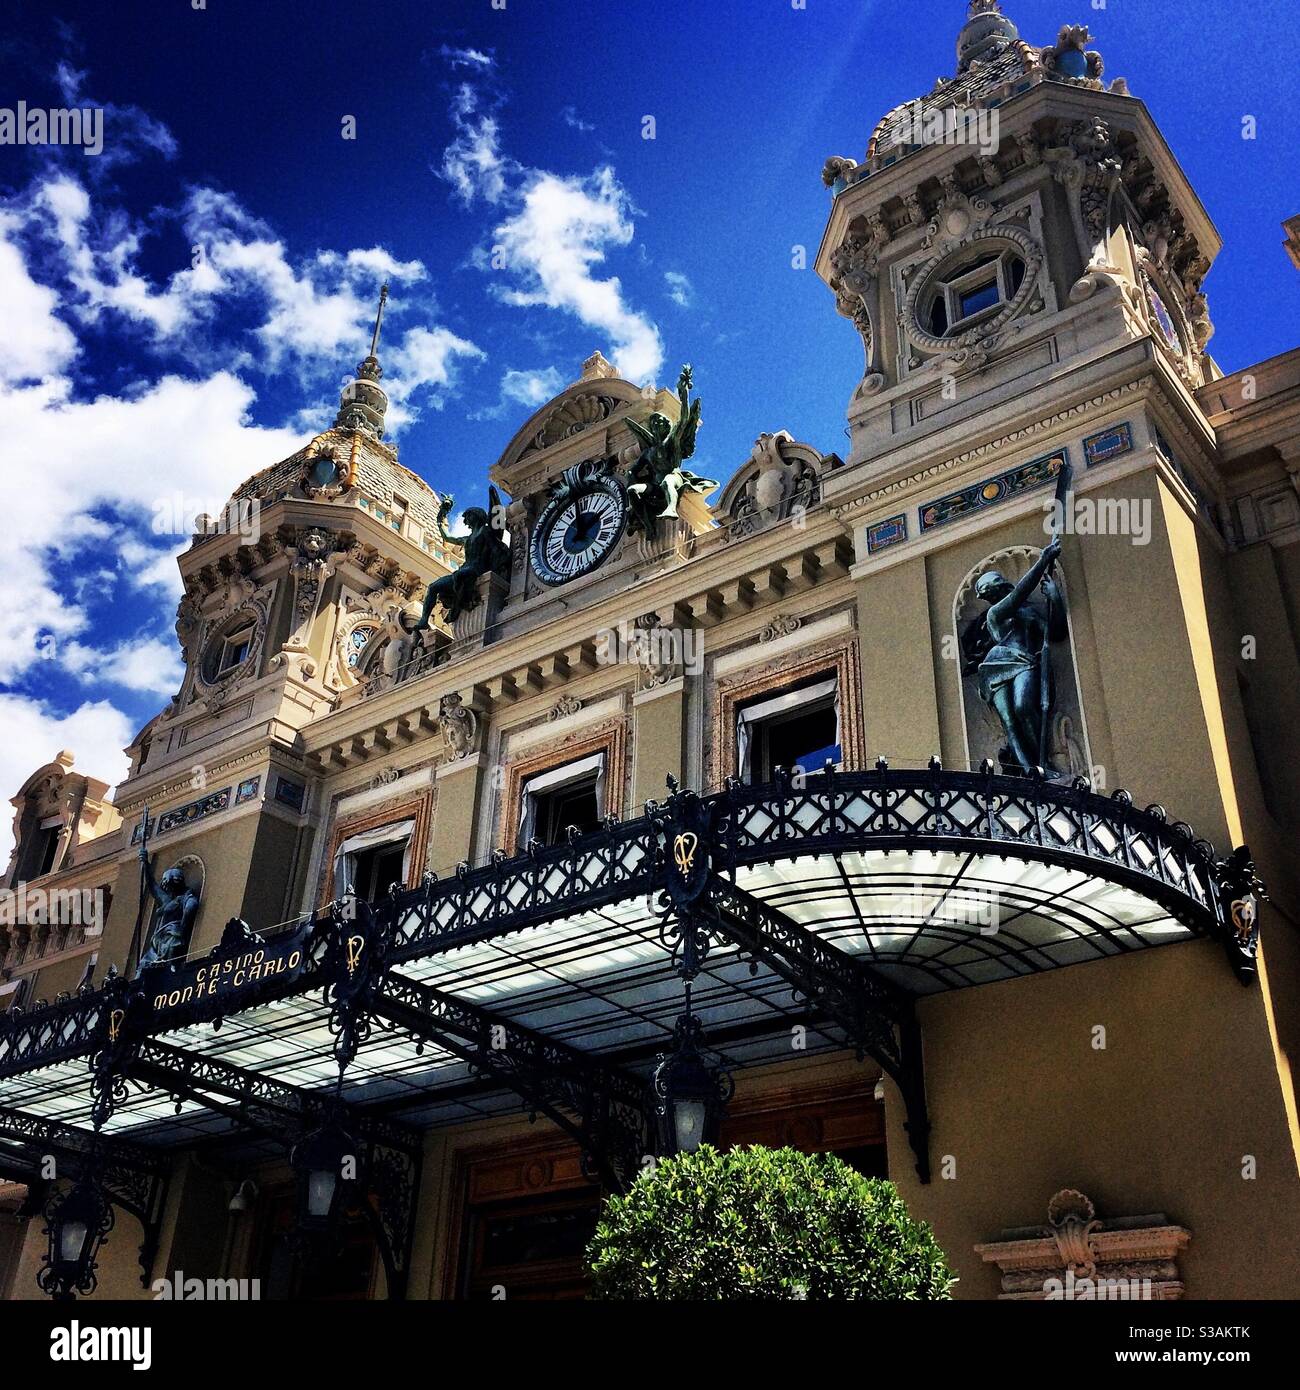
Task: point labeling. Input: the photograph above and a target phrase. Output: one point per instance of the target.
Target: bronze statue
(485, 553)
(1009, 649)
(657, 478)
(173, 922)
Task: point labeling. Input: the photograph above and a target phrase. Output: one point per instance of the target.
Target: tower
(1021, 226)
(300, 597)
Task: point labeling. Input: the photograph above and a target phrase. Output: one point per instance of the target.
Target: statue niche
(1020, 691)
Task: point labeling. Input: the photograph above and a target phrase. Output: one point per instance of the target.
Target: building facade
(952, 703)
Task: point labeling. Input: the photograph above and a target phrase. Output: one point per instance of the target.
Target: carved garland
(213, 693)
(981, 237)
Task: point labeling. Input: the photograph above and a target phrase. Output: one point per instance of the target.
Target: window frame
(950, 288)
(551, 780)
(758, 714)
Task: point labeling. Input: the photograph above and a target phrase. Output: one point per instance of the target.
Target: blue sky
(136, 383)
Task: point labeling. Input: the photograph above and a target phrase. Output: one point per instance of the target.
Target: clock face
(577, 530)
(1164, 319)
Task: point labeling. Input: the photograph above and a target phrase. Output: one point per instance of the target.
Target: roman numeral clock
(580, 526)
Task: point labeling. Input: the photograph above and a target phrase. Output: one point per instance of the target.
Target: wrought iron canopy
(833, 900)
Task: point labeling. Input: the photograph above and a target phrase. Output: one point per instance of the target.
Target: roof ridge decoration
(993, 64)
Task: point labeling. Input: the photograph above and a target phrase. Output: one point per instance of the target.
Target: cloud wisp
(554, 234)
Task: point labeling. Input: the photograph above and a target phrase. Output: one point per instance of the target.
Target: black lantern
(691, 1094)
(325, 1162)
(76, 1224)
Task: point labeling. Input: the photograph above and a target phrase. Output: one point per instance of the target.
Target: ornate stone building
(940, 907)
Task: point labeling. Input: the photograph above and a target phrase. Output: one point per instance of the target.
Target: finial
(363, 403)
(986, 33)
(379, 317)
(596, 368)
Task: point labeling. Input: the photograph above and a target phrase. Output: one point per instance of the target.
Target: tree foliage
(758, 1223)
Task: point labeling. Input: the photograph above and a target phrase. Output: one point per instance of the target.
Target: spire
(363, 404)
(374, 337)
(986, 33)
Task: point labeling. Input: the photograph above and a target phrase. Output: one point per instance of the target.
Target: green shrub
(762, 1223)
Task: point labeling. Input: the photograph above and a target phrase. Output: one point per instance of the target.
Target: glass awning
(928, 881)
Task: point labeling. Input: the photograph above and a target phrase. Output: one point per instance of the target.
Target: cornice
(852, 511)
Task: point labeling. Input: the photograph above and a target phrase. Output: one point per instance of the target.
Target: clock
(579, 526)
(1164, 319)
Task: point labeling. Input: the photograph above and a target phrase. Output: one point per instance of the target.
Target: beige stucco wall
(1160, 1120)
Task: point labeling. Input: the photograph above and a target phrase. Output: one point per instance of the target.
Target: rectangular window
(799, 728)
(235, 649)
(42, 851)
(570, 795)
(375, 870)
(397, 513)
(369, 862)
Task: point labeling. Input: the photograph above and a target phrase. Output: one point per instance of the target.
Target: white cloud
(558, 230)
(131, 455)
(466, 58)
(473, 163)
(128, 131)
(680, 289)
(144, 664)
(37, 344)
(553, 243)
(529, 387)
(574, 121)
(532, 388)
(90, 473)
(422, 362)
(95, 732)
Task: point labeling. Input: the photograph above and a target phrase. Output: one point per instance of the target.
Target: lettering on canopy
(232, 976)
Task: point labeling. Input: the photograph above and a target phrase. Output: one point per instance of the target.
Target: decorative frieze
(882, 534)
(1023, 478)
(192, 811)
(1108, 444)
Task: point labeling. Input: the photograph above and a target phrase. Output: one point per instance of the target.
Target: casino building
(844, 811)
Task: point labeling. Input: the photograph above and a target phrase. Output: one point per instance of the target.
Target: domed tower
(315, 565)
(299, 598)
(1021, 225)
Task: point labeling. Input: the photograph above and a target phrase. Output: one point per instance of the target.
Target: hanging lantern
(692, 1095)
(325, 1162)
(76, 1225)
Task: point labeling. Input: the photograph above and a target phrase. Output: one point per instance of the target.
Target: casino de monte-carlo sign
(241, 970)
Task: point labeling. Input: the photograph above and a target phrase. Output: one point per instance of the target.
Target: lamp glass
(72, 1240)
(688, 1124)
(321, 1183)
